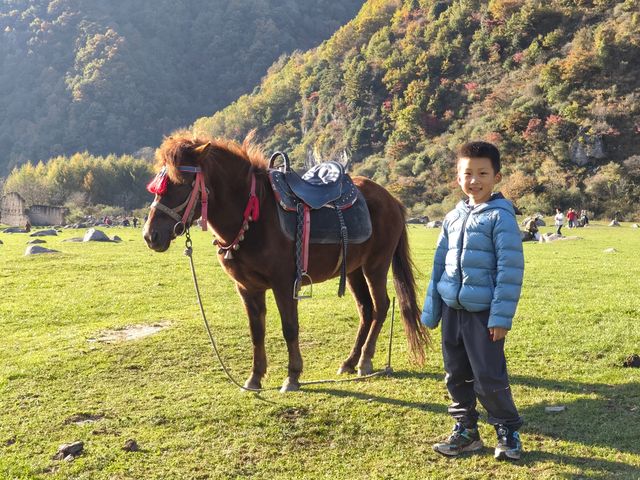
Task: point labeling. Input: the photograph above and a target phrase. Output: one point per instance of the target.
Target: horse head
(180, 191)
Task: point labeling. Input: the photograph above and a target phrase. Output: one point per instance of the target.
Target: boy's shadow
(604, 420)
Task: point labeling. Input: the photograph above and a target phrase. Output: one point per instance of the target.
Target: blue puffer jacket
(478, 264)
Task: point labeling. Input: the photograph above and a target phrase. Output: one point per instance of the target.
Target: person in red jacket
(571, 217)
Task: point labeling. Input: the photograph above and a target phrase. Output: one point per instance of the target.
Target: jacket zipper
(464, 225)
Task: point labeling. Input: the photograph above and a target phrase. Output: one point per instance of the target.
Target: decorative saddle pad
(325, 226)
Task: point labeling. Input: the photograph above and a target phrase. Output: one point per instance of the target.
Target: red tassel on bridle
(158, 186)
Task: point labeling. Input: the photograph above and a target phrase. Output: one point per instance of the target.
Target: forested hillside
(114, 76)
(555, 83)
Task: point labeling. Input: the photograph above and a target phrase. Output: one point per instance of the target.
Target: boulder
(1, 242)
(14, 230)
(610, 250)
(116, 238)
(35, 250)
(36, 241)
(434, 224)
(635, 225)
(45, 233)
(539, 220)
(614, 223)
(95, 235)
(418, 220)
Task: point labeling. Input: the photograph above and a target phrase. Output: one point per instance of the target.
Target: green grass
(577, 321)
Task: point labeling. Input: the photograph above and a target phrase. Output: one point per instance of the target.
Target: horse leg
(254, 304)
(288, 308)
(377, 280)
(360, 291)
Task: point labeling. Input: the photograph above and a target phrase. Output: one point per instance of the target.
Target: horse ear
(202, 149)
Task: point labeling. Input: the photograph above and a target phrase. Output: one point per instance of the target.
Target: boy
(475, 286)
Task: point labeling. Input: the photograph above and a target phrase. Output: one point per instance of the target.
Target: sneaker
(509, 445)
(461, 440)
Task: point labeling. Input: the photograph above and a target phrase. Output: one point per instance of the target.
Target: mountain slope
(555, 84)
(111, 77)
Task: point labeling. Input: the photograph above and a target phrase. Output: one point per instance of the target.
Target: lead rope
(387, 370)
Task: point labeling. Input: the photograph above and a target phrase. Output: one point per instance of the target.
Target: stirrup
(297, 285)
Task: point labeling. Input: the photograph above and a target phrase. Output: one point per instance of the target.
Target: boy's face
(477, 178)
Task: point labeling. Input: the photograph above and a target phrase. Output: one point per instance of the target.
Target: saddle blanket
(325, 225)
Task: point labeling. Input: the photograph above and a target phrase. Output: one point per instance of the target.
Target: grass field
(578, 319)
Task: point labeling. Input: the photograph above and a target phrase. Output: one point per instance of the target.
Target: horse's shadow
(601, 420)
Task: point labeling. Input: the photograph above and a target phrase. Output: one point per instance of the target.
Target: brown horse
(266, 260)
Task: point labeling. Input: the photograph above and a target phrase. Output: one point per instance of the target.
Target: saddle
(323, 206)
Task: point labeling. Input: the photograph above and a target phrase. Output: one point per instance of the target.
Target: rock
(45, 233)
(539, 220)
(1, 242)
(632, 361)
(418, 220)
(73, 239)
(14, 230)
(555, 409)
(635, 225)
(131, 446)
(610, 250)
(116, 238)
(69, 450)
(434, 224)
(95, 235)
(36, 241)
(584, 148)
(614, 223)
(35, 250)
(553, 237)
(549, 237)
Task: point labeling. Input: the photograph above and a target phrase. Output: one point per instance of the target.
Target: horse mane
(177, 149)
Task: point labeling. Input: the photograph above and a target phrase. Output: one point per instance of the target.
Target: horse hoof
(365, 368)
(346, 369)
(251, 385)
(290, 386)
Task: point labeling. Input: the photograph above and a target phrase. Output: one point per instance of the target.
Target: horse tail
(405, 285)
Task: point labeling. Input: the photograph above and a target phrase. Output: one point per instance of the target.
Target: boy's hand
(497, 333)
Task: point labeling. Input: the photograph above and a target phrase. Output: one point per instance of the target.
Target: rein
(387, 370)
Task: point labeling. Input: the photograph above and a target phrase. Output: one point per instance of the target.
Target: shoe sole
(472, 447)
(504, 455)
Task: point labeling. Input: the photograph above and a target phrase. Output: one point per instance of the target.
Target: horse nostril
(154, 236)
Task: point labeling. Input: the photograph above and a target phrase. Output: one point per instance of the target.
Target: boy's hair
(481, 150)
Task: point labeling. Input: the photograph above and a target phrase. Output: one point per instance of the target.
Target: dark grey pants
(476, 369)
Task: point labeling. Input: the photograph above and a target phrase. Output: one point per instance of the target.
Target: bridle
(158, 187)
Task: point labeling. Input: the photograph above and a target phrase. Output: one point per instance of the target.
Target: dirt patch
(83, 418)
(130, 332)
(292, 414)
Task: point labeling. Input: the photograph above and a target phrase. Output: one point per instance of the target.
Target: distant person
(27, 226)
(474, 289)
(571, 218)
(531, 227)
(135, 222)
(559, 221)
(584, 219)
(125, 222)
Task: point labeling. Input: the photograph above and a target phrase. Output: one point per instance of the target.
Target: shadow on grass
(610, 418)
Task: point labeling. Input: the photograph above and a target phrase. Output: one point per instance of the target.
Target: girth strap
(345, 240)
